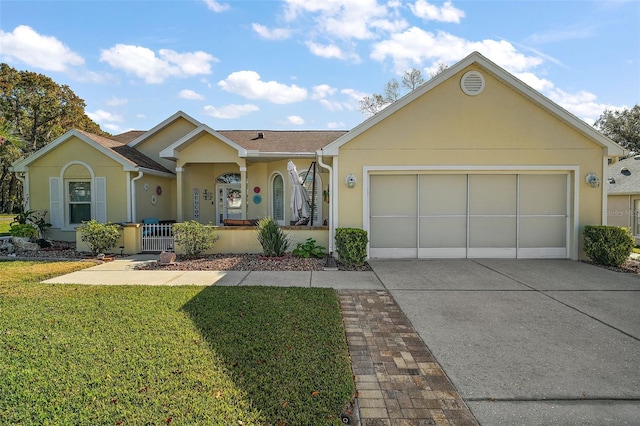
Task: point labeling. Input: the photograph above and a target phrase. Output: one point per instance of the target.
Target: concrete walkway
(122, 272)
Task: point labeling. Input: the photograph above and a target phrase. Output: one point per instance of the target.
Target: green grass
(636, 249)
(73, 354)
(5, 220)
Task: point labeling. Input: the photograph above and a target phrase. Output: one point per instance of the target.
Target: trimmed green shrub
(309, 249)
(608, 245)
(273, 240)
(99, 236)
(194, 237)
(351, 245)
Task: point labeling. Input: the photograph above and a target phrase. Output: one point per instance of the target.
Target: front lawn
(167, 355)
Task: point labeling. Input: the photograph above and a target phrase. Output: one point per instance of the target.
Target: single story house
(623, 199)
(474, 163)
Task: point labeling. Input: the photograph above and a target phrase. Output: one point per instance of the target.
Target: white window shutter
(55, 203)
(101, 199)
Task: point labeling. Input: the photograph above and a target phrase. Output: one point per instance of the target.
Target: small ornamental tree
(99, 236)
(194, 237)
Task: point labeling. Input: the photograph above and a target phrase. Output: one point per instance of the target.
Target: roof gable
(164, 124)
(612, 149)
(171, 152)
(129, 158)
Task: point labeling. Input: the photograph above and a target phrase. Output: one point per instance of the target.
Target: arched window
(229, 178)
(277, 198)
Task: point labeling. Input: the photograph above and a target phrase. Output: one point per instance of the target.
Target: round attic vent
(472, 83)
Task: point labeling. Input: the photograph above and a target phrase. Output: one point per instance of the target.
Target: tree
(623, 127)
(37, 110)
(411, 80)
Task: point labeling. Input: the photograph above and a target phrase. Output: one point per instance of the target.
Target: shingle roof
(624, 176)
(127, 137)
(130, 154)
(282, 141)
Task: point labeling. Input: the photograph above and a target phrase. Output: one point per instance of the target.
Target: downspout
(133, 196)
(331, 200)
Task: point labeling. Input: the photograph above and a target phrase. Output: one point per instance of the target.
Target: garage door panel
(492, 232)
(393, 195)
(443, 194)
(492, 194)
(543, 194)
(445, 232)
(396, 232)
(543, 231)
(469, 215)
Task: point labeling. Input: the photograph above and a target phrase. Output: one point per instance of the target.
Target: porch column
(179, 213)
(245, 187)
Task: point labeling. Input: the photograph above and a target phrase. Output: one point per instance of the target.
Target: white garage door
(469, 215)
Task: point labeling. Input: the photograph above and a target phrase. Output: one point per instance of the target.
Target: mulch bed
(246, 262)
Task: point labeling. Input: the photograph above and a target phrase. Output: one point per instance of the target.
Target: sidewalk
(398, 380)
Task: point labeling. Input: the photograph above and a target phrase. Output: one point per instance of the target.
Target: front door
(229, 202)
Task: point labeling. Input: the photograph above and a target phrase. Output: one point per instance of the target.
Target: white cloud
(102, 116)
(537, 83)
(249, 85)
(230, 111)
(415, 47)
(346, 19)
(215, 6)
(331, 51)
(113, 101)
(430, 12)
(45, 52)
(271, 34)
(583, 104)
(112, 128)
(322, 91)
(153, 69)
(335, 125)
(190, 95)
(295, 120)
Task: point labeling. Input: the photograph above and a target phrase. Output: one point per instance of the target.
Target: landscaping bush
(273, 240)
(99, 236)
(26, 230)
(608, 245)
(309, 249)
(351, 246)
(194, 237)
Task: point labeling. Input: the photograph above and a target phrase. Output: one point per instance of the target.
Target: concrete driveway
(529, 342)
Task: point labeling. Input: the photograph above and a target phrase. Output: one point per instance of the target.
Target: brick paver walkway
(399, 382)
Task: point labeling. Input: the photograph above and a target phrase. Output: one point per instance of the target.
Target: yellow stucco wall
(164, 138)
(51, 165)
(165, 207)
(446, 127)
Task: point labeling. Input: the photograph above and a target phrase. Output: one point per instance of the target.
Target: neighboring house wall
(58, 164)
(497, 131)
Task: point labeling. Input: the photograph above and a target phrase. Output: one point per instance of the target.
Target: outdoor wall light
(592, 180)
(350, 180)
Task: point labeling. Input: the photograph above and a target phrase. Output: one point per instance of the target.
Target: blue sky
(305, 64)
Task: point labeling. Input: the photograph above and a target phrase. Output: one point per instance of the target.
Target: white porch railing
(157, 237)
